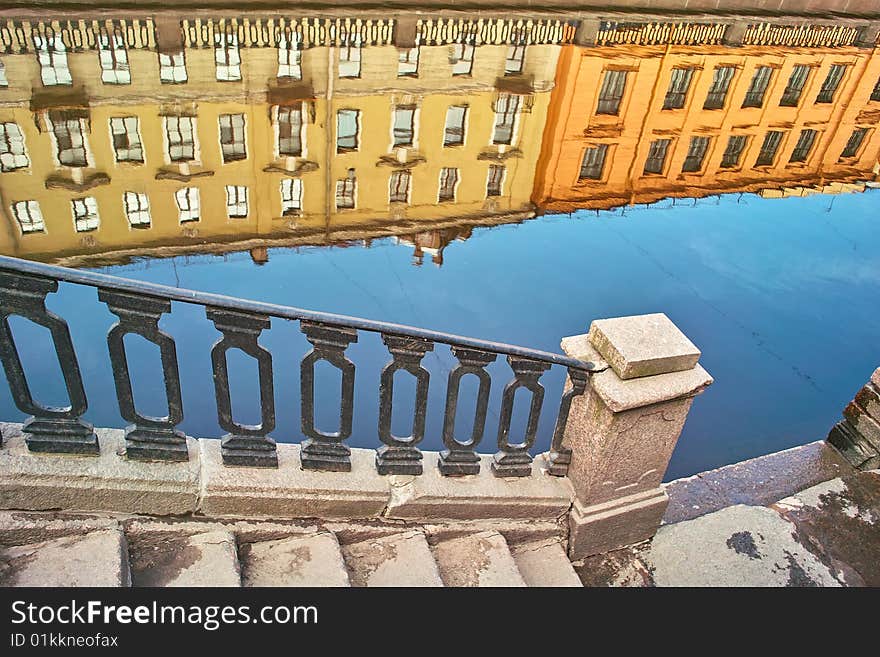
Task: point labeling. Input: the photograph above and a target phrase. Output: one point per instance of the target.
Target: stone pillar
(733, 35)
(868, 35)
(587, 32)
(623, 429)
(405, 31)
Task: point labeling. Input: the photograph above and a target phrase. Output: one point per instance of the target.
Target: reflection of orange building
(633, 124)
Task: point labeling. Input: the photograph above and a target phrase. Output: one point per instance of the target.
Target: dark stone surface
(617, 568)
(759, 481)
(843, 528)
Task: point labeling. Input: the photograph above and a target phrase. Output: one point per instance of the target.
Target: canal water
(510, 183)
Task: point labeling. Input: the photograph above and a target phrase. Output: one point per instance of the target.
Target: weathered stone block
(614, 524)
(289, 491)
(863, 423)
(98, 558)
(304, 560)
(643, 345)
(483, 495)
(480, 559)
(165, 558)
(869, 399)
(403, 559)
(545, 563)
(107, 482)
(853, 447)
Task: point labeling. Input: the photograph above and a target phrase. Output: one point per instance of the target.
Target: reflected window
(875, 94)
(804, 145)
(70, 142)
(290, 131)
(226, 56)
(52, 56)
(506, 108)
(453, 133)
(189, 205)
(593, 162)
(137, 209)
(611, 93)
(114, 58)
(408, 62)
(85, 214)
(345, 191)
(172, 68)
(398, 186)
(854, 143)
(232, 137)
(404, 126)
(462, 58)
(290, 55)
(679, 84)
(347, 130)
(28, 216)
(758, 87)
(291, 196)
(448, 183)
(12, 151)
(695, 155)
(656, 160)
(126, 139)
(770, 145)
(795, 87)
(3, 81)
(515, 60)
(181, 134)
(832, 82)
(495, 180)
(732, 154)
(236, 201)
(350, 56)
(717, 95)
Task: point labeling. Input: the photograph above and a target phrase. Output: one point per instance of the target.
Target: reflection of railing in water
(768, 34)
(650, 34)
(140, 306)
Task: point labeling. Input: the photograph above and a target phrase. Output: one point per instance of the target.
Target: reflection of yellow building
(132, 117)
(636, 123)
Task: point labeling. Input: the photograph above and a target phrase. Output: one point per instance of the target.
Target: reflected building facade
(648, 113)
(162, 134)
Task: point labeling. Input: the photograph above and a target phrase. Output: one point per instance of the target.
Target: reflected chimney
(260, 255)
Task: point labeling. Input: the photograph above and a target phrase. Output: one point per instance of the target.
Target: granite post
(623, 429)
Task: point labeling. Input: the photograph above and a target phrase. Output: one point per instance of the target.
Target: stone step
(312, 559)
(98, 558)
(479, 559)
(544, 563)
(161, 558)
(403, 559)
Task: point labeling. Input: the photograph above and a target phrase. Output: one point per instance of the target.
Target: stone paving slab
(204, 559)
(305, 560)
(737, 546)
(544, 563)
(402, 559)
(478, 560)
(98, 558)
(839, 521)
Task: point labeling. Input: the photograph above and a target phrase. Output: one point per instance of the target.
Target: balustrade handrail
(106, 281)
(139, 307)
